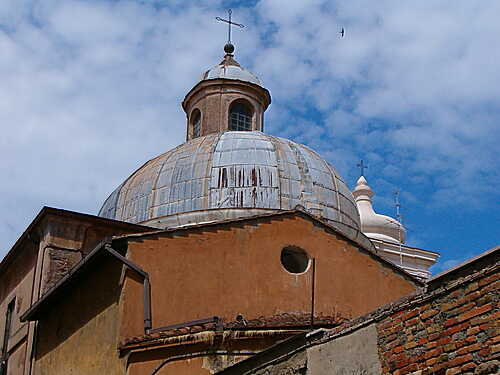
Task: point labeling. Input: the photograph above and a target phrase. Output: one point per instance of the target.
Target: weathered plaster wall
(237, 270)
(204, 364)
(79, 335)
(17, 359)
(196, 358)
(15, 275)
(352, 354)
(16, 284)
(452, 328)
(294, 365)
(54, 244)
(66, 241)
(148, 364)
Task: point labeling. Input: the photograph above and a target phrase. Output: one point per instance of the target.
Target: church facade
(205, 256)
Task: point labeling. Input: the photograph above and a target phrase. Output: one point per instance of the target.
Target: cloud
(415, 70)
(91, 89)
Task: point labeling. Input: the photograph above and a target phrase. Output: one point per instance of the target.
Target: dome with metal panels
(229, 68)
(230, 175)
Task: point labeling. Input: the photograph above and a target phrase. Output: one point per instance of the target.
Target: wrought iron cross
(397, 204)
(362, 166)
(229, 24)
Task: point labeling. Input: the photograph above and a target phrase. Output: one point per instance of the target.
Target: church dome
(229, 68)
(230, 175)
(373, 225)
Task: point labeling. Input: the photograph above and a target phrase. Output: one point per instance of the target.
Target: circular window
(294, 259)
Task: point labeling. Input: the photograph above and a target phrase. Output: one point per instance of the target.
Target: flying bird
(342, 32)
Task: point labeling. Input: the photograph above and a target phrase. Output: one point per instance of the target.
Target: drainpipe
(145, 283)
(313, 290)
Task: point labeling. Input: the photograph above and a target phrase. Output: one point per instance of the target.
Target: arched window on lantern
(240, 116)
(196, 123)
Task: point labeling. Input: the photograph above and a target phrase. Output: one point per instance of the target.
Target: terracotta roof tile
(279, 321)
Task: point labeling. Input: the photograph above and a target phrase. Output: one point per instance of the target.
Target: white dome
(374, 225)
(233, 174)
(230, 69)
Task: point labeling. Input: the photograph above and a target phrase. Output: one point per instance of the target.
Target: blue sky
(90, 90)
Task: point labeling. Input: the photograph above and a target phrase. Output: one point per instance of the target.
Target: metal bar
(201, 354)
(313, 287)
(129, 263)
(191, 323)
(41, 299)
(147, 305)
(145, 284)
(229, 36)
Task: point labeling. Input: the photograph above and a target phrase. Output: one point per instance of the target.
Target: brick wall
(452, 330)
(449, 327)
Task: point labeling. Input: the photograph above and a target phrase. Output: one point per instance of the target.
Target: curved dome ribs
(220, 174)
(228, 68)
(244, 173)
(304, 178)
(182, 182)
(233, 174)
(108, 209)
(137, 197)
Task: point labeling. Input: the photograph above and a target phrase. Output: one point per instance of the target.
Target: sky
(90, 90)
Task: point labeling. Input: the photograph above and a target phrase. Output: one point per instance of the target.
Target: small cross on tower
(362, 166)
(229, 48)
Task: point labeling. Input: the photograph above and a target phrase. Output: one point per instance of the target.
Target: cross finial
(229, 48)
(397, 204)
(362, 166)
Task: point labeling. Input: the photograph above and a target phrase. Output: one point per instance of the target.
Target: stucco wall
(57, 240)
(450, 329)
(79, 335)
(147, 366)
(196, 358)
(67, 241)
(17, 360)
(204, 364)
(293, 365)
(16, 284)
(232, 270)
(352, 354)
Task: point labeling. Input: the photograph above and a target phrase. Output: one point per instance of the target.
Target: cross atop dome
(227, 97)
(362, 166)
(229, 47)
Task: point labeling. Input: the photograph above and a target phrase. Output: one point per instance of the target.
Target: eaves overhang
(36, 309)
(363, 243)
(45, 212)
(417, 249)
(33, 313)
